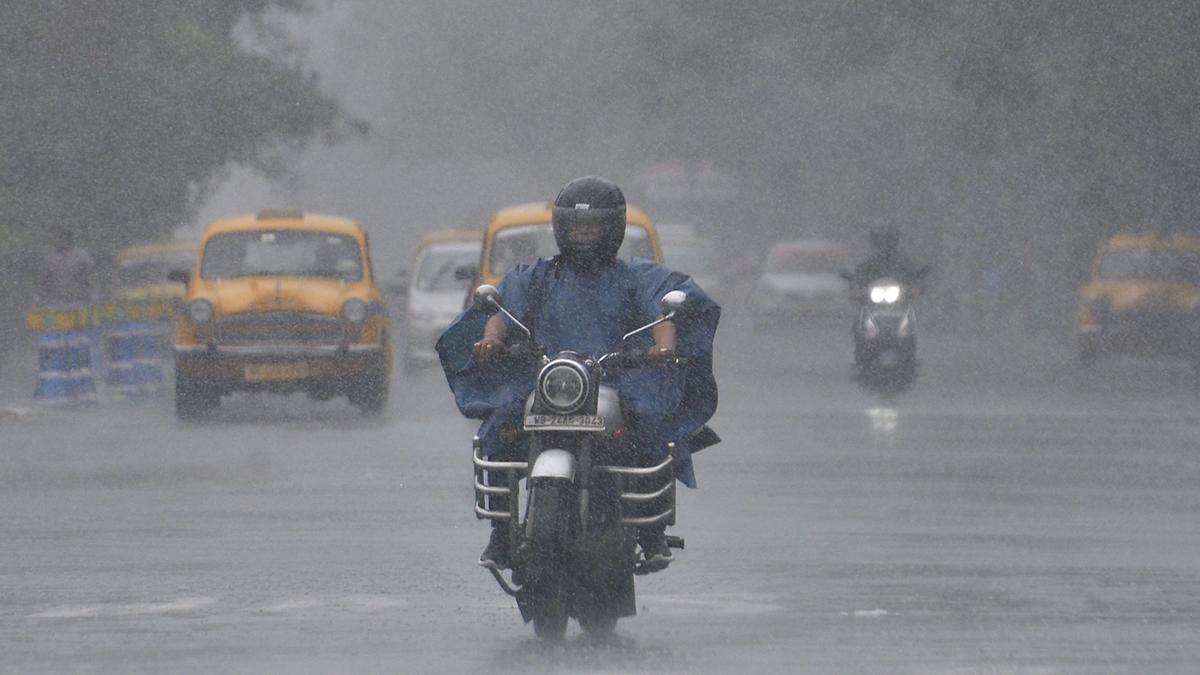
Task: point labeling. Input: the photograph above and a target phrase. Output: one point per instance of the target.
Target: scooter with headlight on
(574, 542)
(885, 334)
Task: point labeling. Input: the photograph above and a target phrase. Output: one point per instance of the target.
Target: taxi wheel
(192, 398)
(370, 394)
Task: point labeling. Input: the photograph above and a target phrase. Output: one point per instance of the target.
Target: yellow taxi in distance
(523, 233)
(1143, 298)
(282, 301)
(143, 270)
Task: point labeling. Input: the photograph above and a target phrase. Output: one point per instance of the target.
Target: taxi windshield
(1151, 264)
(146, 271)
(527, 243)
(282, 252)
(435, 269)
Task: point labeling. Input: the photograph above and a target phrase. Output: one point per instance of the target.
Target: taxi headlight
(885, 294)
(354, 311)
(563, 385)
(200, 311)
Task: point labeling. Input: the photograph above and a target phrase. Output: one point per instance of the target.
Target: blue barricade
(123, 339)
(65, 369)
(135, 358)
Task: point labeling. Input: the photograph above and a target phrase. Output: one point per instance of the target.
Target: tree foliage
(116, 115)
(1010, 129)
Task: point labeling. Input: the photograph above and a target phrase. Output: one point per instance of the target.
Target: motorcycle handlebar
(637, 359)
(523, 353)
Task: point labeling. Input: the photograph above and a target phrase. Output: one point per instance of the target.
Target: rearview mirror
(487, 299)
(672, 303)
(465, 272)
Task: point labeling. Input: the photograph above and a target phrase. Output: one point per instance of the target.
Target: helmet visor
(589, 231)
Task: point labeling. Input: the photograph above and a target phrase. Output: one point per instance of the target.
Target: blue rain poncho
(568, 307)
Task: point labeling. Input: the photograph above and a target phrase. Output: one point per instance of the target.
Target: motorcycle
(574, 543)
(885, 332)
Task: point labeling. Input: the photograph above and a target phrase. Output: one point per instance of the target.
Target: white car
(435, 293)
(800, 280)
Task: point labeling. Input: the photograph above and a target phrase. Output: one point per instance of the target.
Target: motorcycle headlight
(200, 311)
(354, 311)
(885, 294)
(563, 385)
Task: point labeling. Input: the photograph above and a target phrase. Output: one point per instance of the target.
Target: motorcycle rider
(584, 299)
(886, 260)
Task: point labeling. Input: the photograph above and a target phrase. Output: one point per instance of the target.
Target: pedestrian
(66, 357)
(68, 271)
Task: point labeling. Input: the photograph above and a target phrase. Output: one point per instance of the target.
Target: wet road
(1010, 514)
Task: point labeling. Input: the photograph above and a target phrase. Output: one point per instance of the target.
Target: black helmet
(885, 237)
(589, 199)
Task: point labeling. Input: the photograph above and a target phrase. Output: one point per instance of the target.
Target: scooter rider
(886, 260)
(585, 299)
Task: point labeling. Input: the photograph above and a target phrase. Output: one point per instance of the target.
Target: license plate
(565, 422)
(262, 372)
(889, 357)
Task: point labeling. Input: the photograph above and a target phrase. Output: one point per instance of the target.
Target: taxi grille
(280, 327)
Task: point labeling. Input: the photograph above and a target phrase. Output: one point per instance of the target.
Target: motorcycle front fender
(553, 463)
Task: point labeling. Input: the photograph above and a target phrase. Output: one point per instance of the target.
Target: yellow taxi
(1143, 297)
(143, 270)
(282, 301)
(523, 233)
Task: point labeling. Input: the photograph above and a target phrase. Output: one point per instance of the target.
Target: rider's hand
(489, 348)
(658, 354)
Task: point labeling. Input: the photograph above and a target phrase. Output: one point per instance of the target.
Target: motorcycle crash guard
(553, 463)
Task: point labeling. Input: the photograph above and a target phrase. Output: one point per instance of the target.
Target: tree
(116, 115)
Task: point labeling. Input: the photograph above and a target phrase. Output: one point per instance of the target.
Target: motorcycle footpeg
(675, 542)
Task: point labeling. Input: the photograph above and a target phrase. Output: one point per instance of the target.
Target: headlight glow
(885, 294)
(354, 311)
(563, 386)
(200, 311)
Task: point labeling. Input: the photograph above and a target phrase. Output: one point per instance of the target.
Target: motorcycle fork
(584, 482)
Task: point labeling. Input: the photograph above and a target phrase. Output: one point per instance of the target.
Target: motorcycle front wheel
(546, 571)
(599, 625)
